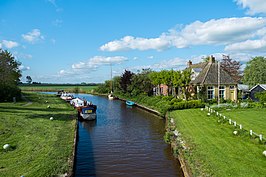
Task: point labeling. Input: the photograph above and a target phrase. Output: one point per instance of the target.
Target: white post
(230, 122)
(250, 132)
(224, 117)
(260, 137)
(235, 123)
(217, 113)
(240, 127)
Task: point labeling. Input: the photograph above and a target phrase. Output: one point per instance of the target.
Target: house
(256, 89)
(212, 81)
(243, 90)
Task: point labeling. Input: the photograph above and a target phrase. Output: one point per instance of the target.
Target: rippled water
(123, 141)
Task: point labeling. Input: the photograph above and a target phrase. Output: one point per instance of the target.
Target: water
(123, 141)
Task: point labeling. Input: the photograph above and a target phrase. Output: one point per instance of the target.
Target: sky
(75, 41)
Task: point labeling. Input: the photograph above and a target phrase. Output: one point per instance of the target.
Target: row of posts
(234, 122)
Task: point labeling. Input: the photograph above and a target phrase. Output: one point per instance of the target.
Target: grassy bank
(213, 150)
(39, 146)
(55, 88)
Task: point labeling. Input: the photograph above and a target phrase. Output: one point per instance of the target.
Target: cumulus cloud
(33, 36)
(248, 46)
(221, 31)
(96, 61)
(9, 44)
(253, 6)
(24, 68)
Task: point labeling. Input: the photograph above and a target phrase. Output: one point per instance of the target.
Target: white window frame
(222, 91)
(210, 92)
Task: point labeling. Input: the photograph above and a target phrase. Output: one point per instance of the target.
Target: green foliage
(125, 81)
(261, 96)
(187, 105)
(255, 71)
(9, 76)
(141, 83)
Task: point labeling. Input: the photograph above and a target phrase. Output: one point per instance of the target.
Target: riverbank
(210, 146)
(40, 135)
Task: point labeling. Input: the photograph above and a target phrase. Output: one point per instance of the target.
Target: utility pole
(219, 82)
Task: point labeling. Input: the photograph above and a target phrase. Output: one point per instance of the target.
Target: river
(123, 141)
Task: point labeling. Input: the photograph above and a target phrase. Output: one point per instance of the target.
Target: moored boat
(111, 96)
(78, 102)
(66, 96)
(87, 112)
(130, 103)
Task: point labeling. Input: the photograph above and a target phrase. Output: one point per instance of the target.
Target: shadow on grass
(55, 116)
(17, 109)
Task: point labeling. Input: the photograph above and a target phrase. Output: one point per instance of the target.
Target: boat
(130, 103)
(77, 102)
(87, 112)
(66, 96)
(111, 96)
(59, 93)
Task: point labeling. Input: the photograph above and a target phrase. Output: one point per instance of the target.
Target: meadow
(38, 146)
(55, 88)
(213, 149)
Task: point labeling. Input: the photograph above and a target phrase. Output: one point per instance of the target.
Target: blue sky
(74, 41)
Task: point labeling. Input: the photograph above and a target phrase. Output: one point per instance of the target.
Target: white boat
(66, 96)
(111, 96)
(87, 112)
(77, 102)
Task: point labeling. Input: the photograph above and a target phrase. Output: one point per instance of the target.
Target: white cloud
(150, 57)
(132, 43)
(9, 44)
(57, 23)
(33, 36)
(24, 68)
(253, 6)
(95, 61)
(220, 32)
(258, 45)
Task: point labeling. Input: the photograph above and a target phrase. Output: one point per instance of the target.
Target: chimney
(211, 59)
(189, 63)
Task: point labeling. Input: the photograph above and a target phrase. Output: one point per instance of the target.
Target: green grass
(39, 146)
(55, 88)
(214, 150)
(251, 119)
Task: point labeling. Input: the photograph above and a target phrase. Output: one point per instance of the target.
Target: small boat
(59, 93)
(111, 96)
(66, 96)
(130, 103)
(77, 102)
(87, 112)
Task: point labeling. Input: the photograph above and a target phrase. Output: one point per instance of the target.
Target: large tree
(232, 67)
(9, 76)
(126, 81)
(255, 71)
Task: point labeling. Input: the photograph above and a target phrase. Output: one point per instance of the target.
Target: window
(232, 87)
(221, 92)
(210, 92)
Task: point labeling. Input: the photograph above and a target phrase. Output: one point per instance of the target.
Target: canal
(123, 141)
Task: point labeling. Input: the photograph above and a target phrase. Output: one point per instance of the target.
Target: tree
(126, 81)
(141, 83)
(231, 67)
(9, 76)
(255, 71)
(29, 80)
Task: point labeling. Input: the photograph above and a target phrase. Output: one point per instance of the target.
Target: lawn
(213, 148)
(251, 119)
(39, 146)
(55, 88)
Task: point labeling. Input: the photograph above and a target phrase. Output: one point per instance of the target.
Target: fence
(234, 123)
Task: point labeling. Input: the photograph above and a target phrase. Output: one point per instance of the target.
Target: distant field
(55, 88)
(213, 148)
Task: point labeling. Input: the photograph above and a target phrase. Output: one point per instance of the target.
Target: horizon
(72, 42)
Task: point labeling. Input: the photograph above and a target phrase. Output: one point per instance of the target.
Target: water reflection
(123, 141)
